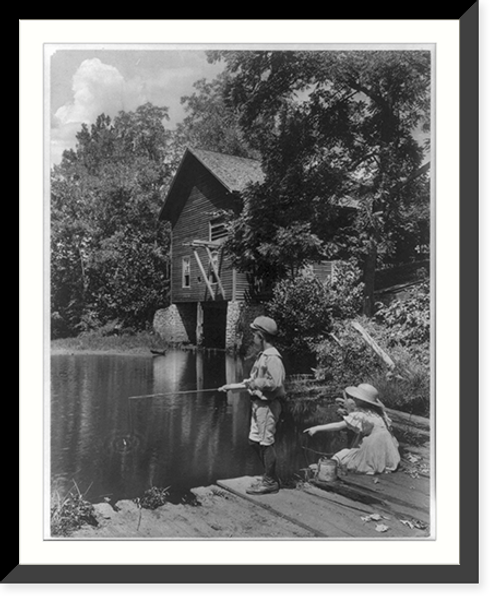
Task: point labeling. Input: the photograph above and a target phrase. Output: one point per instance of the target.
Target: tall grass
(408, 386)
(70, 513)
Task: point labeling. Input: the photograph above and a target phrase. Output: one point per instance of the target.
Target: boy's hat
(265, 324)
(367, 393)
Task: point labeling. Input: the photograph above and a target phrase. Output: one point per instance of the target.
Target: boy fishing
(266, 388)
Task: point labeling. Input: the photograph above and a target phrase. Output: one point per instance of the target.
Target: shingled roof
(232, 172)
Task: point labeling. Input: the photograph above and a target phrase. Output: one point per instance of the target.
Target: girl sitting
(376, 450)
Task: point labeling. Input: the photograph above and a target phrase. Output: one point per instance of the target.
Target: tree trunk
(83, 273)
(369, 279)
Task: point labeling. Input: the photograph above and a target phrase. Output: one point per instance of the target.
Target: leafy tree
(331, 128)
(210, 123)
(107, 259)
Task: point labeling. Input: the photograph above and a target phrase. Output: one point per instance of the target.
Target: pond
(120, 424)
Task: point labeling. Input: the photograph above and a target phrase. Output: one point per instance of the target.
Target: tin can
(327, 470)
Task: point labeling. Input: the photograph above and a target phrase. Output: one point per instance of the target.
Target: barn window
(218, 229)
(186, 272)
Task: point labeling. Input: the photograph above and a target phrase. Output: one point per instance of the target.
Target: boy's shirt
(267, 376)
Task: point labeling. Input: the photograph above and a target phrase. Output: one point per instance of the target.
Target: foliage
(107, 247)
(348, 359)
(331, 127)
(408, 388)
(70, 514)
(153, 497)
(344, 357)
(210, 122)
(408, 321)
(300, 307)
(345, 288)
(305, 307)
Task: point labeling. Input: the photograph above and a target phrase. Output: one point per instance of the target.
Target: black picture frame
(467, 571)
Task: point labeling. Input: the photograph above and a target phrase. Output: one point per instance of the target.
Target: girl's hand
(311, 430)
(224, 388)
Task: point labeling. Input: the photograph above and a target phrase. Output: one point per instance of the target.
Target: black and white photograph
(241, 275)
(248, 309)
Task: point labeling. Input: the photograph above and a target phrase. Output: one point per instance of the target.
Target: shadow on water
(121, 425)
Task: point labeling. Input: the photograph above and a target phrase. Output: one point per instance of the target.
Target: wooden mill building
(209, 300)
(207, 295)
(206, 292)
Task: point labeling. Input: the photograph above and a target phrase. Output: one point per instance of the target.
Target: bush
(305, 307)
(348, 360)
(153, 498)
(316, 318)
(58, 326)
(408, 388)
(344, 356)
(408, 321)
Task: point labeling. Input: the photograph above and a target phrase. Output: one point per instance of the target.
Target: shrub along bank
(390, 350)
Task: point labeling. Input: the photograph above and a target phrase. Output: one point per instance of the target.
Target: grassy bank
(96, 342)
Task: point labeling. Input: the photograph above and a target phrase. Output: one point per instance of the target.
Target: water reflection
(110, 445)
(121, 424)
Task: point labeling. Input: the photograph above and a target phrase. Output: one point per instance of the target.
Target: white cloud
(100, 87)
(97, 88)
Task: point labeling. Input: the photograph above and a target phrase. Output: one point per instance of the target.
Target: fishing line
(316, 452)
(173, 393)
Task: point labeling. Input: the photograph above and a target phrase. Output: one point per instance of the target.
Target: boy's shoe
(266, 486)
(256, 482)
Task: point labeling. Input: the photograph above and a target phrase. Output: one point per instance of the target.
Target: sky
(86, 82)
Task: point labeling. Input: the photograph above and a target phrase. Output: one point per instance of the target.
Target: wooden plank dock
(392, 505)
(389, 506)
(353, 507)
(396, 505)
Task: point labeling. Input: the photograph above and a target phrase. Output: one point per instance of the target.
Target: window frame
(217, 223)
(186, 272)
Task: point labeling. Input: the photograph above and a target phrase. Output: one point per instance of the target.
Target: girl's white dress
(377, 449)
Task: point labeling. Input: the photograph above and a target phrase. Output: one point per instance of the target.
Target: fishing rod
(173, 393)
(199, 391)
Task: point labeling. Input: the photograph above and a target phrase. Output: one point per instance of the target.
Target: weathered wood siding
(323, 270)
(206, 196)
(240, 286)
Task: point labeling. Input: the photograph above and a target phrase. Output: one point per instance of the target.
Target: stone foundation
(176, 323)
(234, 335)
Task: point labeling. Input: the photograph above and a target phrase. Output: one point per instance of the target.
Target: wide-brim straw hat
(367, 393)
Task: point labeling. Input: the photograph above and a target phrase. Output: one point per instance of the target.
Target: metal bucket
(327, 470)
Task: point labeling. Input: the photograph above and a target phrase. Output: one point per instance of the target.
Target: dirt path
(218, 514)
